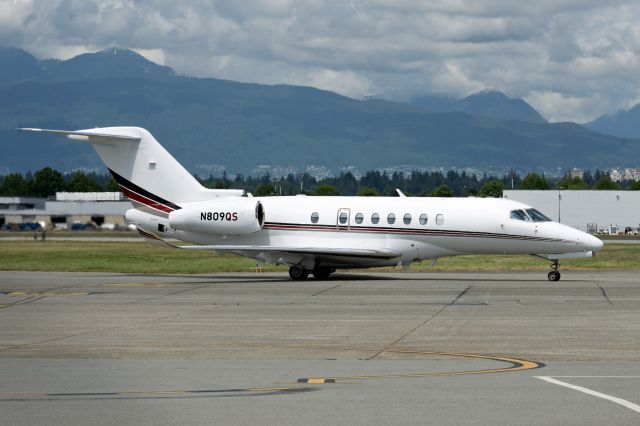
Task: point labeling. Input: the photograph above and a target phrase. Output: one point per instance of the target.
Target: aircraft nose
(593, 243)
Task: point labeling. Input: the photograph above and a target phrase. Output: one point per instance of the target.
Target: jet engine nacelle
(229, 216)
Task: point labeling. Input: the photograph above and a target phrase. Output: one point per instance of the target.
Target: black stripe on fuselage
(133, 187)
(405, 231)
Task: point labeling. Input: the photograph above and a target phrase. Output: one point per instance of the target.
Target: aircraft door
(343, 219)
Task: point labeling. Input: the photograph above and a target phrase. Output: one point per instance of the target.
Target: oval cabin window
(407, 219)
(375, 218)
(359, 218)
(440, 219)
(314, 217)
(343, 218)
(423, 219)
(391, 219)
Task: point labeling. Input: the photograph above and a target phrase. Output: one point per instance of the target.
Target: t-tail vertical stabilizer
(149, 176)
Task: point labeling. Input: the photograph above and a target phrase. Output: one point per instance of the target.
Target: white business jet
(318, 234)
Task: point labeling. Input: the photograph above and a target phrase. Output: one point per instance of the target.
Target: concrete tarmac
(362, 348)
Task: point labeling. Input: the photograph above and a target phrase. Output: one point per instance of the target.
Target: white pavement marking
(599, 377)
(620, 401)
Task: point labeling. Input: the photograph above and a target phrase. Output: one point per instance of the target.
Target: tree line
(47, 181)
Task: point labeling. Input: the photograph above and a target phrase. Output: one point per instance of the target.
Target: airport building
(590, 211)
(67, 211)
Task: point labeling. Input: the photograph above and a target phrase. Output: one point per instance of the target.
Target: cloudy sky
(571, 59)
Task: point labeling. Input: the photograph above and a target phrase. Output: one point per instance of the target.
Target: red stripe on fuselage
(146, 201)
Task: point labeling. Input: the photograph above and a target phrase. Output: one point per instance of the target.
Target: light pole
(559, 200)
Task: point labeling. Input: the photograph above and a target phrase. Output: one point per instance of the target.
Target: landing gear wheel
(555, 274)
(298, 273)
(321, 272)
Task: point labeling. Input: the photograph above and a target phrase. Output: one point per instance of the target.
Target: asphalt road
(435, 348)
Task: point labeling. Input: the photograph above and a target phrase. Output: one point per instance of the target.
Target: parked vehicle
(29, 227)
(81, 227)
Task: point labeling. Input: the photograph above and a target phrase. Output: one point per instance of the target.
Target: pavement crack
(38, 342)
(315, 294)
(604, 293)
(96, 330)
(187, 290)
(22, 301)
(173, 293)
(401, 338)
(462, 293)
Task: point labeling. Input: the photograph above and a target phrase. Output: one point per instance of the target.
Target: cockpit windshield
(536, 216)
(518, 215)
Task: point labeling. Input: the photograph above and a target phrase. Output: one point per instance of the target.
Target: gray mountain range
(212, 124)
(625, 124)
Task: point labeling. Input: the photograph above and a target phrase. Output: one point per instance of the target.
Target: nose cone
(593, 243)
(589, 242)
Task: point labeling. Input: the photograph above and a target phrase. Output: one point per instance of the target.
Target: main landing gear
(555, 274)
(299, 273)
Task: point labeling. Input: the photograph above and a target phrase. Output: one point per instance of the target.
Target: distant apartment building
(615, 175)
(632, 174)
(626, 174)
(577, 173)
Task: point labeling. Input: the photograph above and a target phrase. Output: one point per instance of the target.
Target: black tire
(554, 276)
(321, 273)
(298, 273)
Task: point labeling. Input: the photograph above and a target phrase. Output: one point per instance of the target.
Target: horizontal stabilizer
(85, 135)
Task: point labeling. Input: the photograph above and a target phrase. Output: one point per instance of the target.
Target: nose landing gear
(555, 274)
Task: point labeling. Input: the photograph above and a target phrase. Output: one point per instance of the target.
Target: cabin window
(536, 216)
(314, 217)
(359, 218)
(391, 219)
(407, 219)
(375, 218)
(423, 219)
(440, 219)
(518, 215)
(343, 218)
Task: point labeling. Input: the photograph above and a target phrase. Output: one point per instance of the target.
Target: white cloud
(154, 55)
(345, 82)
(574, 59)
(561, 108)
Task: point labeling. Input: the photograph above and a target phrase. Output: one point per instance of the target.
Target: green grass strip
(138, 257)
